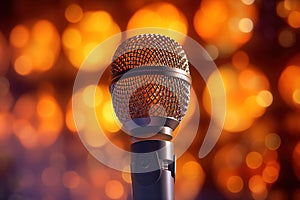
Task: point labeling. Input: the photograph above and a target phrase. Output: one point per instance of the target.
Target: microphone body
(150, 90)
(157, 184)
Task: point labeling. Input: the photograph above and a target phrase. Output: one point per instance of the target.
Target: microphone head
(150, 84)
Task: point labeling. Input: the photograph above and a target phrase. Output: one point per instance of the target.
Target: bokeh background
(255, 44)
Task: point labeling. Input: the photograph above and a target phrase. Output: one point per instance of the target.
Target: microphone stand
(153, 168)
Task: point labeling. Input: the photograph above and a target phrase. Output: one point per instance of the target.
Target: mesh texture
(148, 50)
(152, 95)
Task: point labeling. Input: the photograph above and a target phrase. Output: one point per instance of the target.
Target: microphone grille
(148, 74)
(148, 50)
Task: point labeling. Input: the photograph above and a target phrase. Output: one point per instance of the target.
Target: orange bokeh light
(247, 94)
(270, 174)
(86, 31)
(161, 15)
(254, 160)
(273, 141)
(38, 120)
(19, 36)
(73, 13)
(189, 174)
(257, 185)
(235, 184)
(225, 24)
(35, 47)
(114, 189)
(290, 10)
(294, 19)
(289, 85)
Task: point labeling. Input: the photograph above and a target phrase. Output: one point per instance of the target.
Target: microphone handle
(153, 170)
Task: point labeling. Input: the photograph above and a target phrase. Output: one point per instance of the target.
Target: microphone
(150, 88)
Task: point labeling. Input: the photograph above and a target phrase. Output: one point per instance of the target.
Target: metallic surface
(150, 78)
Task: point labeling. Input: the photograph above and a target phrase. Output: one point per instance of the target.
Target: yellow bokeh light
(222, 23)
(161, 15)
(213, 51)
(264, 98)
(237, 119)
(108, 110)
(73, 13)
(88, 127)
(235, 184)
(88, 47)
(245, 25)
(126, 176)
(108, 120)
(254, 160)
(93, 138)
(92, 95)
(71, 38)
(114, 189)
(248, 2)
(46, 59)
(296, 96)
(252, 107)
(80, 38)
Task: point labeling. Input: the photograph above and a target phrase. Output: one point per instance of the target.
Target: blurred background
(255, 44)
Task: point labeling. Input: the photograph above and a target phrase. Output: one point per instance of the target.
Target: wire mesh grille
(150, 50)
(149, 95)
